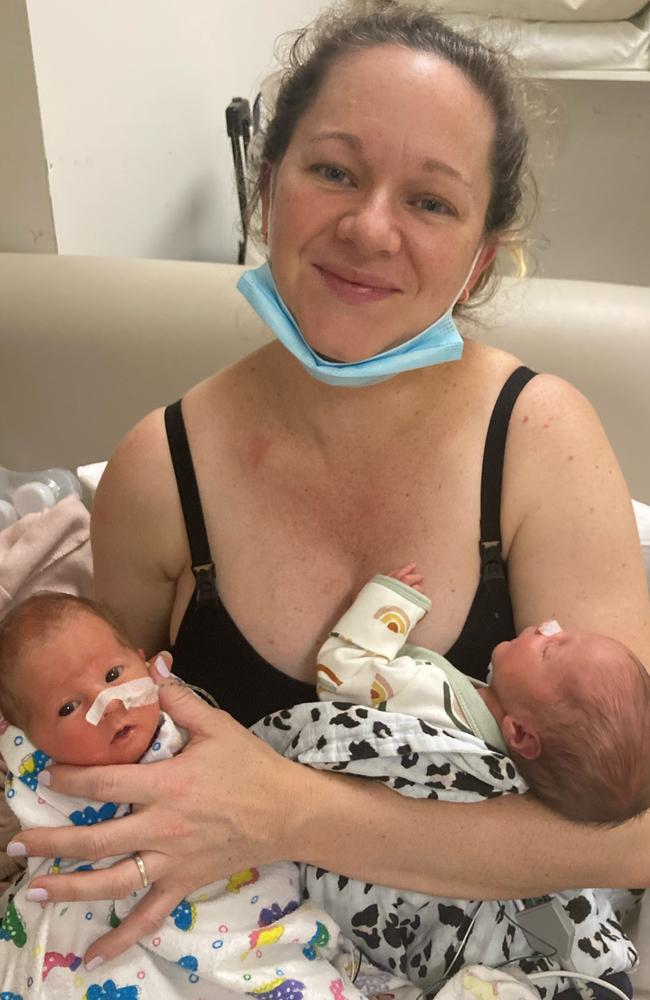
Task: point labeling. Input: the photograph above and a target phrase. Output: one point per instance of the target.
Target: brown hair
(595, 761)
(33, 621)
(315, 50)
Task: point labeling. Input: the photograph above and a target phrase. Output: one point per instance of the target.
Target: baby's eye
(68, 708)
(113, 674)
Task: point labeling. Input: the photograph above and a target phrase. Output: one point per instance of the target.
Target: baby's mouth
(122, 734)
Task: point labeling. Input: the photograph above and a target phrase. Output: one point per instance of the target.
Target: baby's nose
(113, 705)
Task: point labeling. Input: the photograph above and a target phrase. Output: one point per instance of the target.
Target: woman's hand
(216, 808)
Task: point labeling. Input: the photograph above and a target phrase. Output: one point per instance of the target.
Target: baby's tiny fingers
(399, 574)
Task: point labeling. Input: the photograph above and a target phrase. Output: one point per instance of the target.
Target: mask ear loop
(465, 291)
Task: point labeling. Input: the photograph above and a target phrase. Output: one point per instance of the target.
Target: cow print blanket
(423, 938)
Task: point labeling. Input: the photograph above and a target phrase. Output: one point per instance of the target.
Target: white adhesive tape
(549, 628)
(142, 691)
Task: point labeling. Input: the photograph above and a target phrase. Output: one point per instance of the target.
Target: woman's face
(376, 211)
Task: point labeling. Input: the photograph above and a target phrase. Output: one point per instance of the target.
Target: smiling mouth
(352, 290)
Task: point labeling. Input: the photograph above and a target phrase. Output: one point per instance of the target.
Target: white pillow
(642, 514)
(89, 476)
(545, 10)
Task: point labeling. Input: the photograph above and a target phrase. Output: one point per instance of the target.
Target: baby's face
(57, 682)
(534, 667)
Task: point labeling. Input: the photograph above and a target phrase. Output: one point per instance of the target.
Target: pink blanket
(47, 551)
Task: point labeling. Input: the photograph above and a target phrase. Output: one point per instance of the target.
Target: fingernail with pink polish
(162, 667)
(37, 895)
(94, 963)
(45, 778)
(16, 850)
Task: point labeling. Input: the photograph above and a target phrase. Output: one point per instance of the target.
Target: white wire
(562, 974)
(427, 989)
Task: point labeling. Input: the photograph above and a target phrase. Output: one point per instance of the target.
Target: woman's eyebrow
(430, 164)
(352, 140)
(439, 166)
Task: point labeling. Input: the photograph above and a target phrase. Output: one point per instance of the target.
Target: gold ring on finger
(141, 868)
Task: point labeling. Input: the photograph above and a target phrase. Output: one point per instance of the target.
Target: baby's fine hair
(33, 621)
(595, 761)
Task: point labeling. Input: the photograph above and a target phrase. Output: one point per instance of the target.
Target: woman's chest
(291, 555)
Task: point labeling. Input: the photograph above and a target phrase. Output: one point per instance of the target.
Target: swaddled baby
(572, 709)
(76, 691)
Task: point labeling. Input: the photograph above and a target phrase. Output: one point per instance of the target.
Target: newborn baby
(61, 660)
(73, 689)
(571, 709)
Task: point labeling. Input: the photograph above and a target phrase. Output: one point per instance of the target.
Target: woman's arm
(139, 548)
(574, 551)
(228, 802)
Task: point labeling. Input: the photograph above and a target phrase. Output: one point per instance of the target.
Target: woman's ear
(521, 737)
(483, 261)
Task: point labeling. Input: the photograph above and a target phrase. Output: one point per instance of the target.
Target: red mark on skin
(525, 420)
(257, 449)
(546, 426)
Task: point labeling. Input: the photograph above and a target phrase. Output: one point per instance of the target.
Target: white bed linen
(541, 45)
(547, 10)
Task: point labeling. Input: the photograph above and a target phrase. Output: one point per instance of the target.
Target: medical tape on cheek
(142, 691)
(549, 628)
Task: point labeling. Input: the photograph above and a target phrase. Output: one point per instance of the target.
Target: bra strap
(188, 491)
(492, 474)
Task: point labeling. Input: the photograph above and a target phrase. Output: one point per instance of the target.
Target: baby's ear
(521, 737)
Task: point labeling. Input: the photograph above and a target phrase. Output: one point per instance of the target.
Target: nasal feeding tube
(549, 628)
(141, 691)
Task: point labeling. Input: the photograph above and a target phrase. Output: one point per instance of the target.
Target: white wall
(26, 223)
(133, 96)
(132, 100)
(594, 220)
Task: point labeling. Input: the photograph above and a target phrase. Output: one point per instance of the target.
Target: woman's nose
(371, 225)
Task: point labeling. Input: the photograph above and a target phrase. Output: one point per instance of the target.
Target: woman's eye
(330, 173)
(68, 708)
(113, 674)
(434, 206)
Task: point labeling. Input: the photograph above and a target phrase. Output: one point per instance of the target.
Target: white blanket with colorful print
(250, 933)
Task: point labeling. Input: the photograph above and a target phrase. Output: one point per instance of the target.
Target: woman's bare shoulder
(569, 530)
(136, 508)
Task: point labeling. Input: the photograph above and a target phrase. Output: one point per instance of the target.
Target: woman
(391, 174)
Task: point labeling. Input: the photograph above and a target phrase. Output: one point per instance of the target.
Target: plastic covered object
(30, 492)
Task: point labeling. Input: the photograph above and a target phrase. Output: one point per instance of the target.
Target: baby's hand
(408, 575)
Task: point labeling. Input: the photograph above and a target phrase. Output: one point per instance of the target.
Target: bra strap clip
(491, 562)
(206, 583)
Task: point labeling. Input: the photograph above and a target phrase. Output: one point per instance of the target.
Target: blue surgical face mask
(439, 343)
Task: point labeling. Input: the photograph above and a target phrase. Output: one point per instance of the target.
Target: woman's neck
(333, 415)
